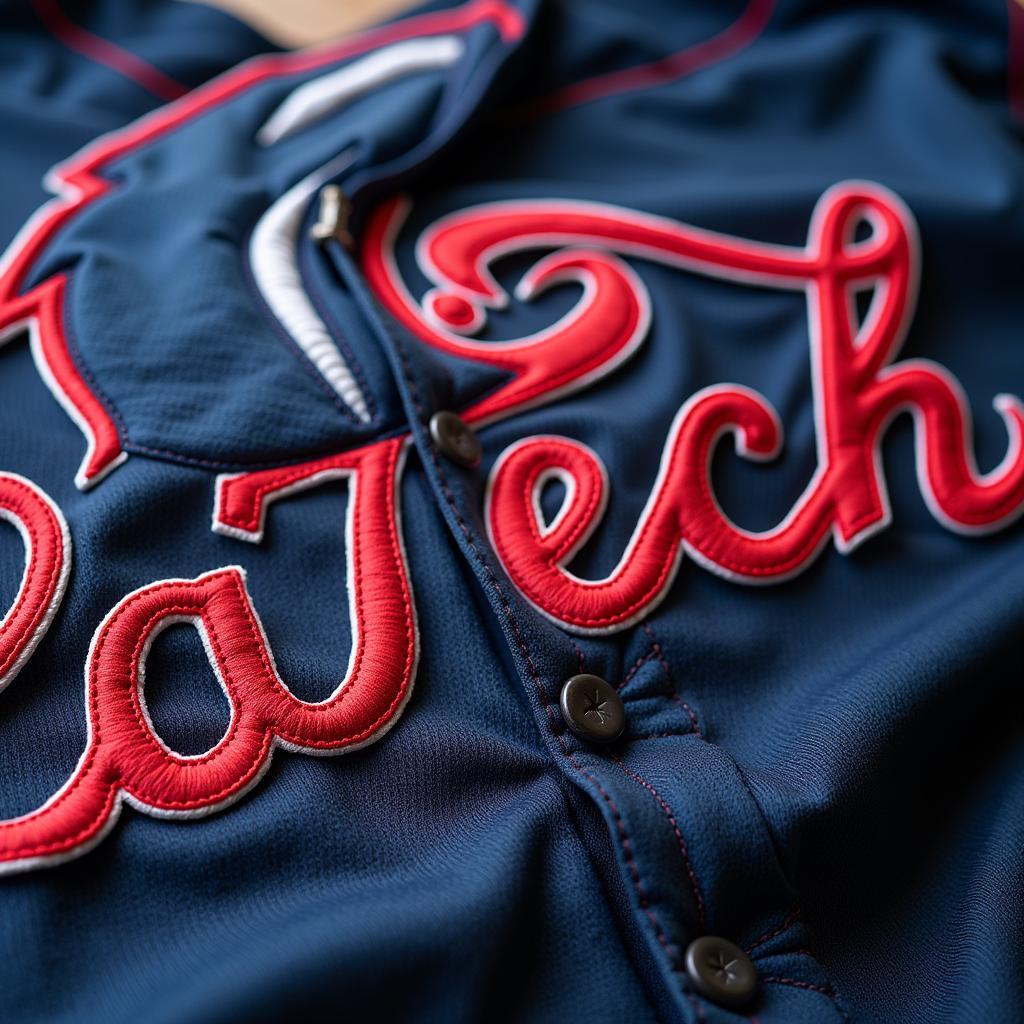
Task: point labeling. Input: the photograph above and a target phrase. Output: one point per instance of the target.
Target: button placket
(640, 806)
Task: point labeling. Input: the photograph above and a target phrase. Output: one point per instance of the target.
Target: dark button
(455, 439)
(592, 709)
(721, 971)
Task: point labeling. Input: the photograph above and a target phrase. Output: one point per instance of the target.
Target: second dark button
(456, 439)
(592, 709)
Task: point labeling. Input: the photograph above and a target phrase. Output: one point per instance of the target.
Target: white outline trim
(121, 797)
(273, 260)
(350, 476)
(57, 597)
(526, 289)
(568, 481)
(326, 94)
(196, 621)
(30, 324)
(1003, 403)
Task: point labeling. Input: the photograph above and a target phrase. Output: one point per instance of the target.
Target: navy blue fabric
(54, 99)
(828, 772)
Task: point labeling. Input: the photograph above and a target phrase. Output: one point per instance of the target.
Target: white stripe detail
(275, 269)
(273, 246)
(324, 95)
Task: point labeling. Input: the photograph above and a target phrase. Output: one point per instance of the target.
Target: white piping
(324, 95)
(275, 269)
(273, 245)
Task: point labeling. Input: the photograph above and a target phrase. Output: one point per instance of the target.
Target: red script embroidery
(857, 387)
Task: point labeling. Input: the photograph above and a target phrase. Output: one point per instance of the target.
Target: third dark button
(592, 709)
(456, 439)
(720, 970)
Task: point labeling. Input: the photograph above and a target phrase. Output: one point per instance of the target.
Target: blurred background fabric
(302, 22)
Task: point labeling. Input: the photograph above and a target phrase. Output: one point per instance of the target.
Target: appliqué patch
(857, 389)
(44, 533)
(125, 761)
(857, 385)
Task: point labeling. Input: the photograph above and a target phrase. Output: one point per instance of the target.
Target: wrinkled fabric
(828, 771)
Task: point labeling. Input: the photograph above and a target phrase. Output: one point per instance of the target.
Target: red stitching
(666, 570)
(27, 589)
(261, 491)
(855, 391)
(104, 52)
(531, 666)
(680, 841)
(660, 654)
(698, 1010)
(94, 689)
(288, 477)
(786, 923)
(582, 517)
(141, 792)
(634, 870)
(637, 665)
(735, 37)
(657, 735)
(63, 845)
(775, 980)
(580, 656)
(410, 646)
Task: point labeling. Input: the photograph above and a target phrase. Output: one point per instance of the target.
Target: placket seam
(408, 376)
(534, 672)
(695, 889)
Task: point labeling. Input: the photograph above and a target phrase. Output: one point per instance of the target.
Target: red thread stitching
(680, 841)
(28, 590)
(698, 1010)
(734, 38)
(531, 666)
(104, 52)
(388, 474)
(87, 831)
(657, 735)
(659, 652)
(786, 923)
(580, 656)
(115, 786)
(775, 980)
(637, 665)
(407, 670)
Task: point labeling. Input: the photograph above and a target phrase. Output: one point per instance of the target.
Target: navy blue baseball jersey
(513, 515)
